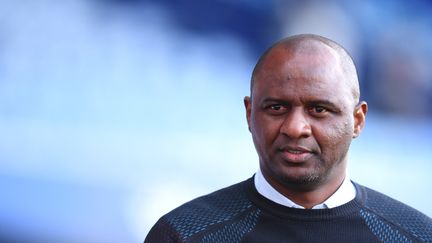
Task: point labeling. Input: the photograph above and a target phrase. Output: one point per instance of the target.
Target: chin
(301, 182)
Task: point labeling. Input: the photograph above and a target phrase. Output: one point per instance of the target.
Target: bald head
(313, 46)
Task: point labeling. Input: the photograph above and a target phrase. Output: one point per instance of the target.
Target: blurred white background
(114, 112)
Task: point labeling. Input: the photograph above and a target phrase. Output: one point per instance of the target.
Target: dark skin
(303, 114)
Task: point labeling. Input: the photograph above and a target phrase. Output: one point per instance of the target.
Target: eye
(276, 109)
(319, 111)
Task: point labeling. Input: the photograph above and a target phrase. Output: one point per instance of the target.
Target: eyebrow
(284, 101)
(323, 102)
(271, 100)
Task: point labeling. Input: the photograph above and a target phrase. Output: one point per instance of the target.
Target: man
(303, 112)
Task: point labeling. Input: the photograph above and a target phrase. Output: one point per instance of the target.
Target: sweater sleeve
(162, 232)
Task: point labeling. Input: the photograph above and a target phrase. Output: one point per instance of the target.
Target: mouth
(296, 154)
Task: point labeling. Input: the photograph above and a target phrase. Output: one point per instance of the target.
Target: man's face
(302, 116)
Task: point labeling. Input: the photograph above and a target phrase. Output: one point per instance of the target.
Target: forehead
(301, 91)
(306, 75)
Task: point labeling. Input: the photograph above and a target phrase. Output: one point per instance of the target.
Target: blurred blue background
(114, 112)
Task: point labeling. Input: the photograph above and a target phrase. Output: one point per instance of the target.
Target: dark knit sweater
(240, 214)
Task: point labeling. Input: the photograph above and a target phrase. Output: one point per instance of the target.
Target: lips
(296, 154)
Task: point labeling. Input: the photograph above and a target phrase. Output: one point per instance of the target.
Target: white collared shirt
(345, 193)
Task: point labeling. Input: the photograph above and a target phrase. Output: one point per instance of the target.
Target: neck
(309, 197)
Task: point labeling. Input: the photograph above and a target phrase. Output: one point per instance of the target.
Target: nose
(296, 124)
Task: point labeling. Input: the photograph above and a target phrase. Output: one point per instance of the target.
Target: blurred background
(113, 112)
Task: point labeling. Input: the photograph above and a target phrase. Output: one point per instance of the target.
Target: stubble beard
(306, 182)
(303, 183)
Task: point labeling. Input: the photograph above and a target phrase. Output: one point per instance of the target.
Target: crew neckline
(345, 193)
(266, 205)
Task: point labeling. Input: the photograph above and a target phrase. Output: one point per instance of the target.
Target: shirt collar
(345, 193)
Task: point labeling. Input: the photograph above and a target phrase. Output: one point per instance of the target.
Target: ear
(248, 107)
(359, 117)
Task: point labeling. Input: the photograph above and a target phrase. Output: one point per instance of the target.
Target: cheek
(264, 130)
(342, 130)
(337, 137)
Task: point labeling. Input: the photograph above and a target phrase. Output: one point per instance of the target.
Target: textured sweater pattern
(240, 214)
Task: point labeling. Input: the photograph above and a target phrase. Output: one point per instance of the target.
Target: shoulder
(212, 208)
(387, 216)
(205, 212)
